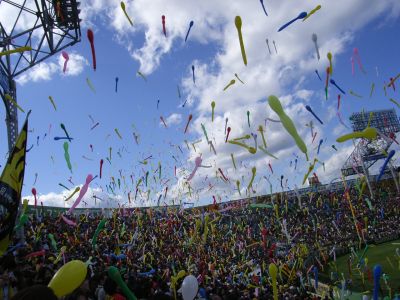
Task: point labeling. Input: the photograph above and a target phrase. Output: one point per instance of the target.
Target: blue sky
(213, 49)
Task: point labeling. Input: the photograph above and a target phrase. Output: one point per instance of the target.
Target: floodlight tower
(47, 27)
(367, 152)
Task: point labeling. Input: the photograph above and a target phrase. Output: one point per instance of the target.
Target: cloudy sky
(169, 88)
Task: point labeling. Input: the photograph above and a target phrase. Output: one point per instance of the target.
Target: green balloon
(276, 106)
(114, 274)
(99, 228)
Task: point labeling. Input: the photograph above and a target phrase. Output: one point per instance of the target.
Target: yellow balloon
(369, 133)
(273, 272)
(276, 106)
(69, 277)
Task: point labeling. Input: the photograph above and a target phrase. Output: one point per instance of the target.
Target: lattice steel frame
(366, 153)
(54, 25)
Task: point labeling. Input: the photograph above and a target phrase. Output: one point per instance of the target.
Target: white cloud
(282, 74)
(46, 70)
(58, 199)
(75, 65)
(173, 119)
(40, 72)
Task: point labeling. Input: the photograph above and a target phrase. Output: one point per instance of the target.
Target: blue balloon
(377, 276)
(388, 158)
(315, 269)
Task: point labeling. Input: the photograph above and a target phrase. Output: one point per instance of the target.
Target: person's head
(110, 287)
(35, 292)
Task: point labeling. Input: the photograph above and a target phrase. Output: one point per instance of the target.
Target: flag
(11, 181)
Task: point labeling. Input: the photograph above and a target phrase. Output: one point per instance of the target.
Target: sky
(213, 48)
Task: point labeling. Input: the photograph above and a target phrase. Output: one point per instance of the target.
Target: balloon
(66, 57)
(222, 173)
(266, 152)
(205, 132)
(9, 98)
(354, 94)
(37, 253)
(261, 130)
(65, 131)
(236, 75)
(34, 195)
(248, 117)
(197, 162)
(16, 50)
(81, 193)
(62, 251)
(315, 270)
(300, 16)
(329, 56)
(262, 4)
(52, 102)
(194, 78)
(318, 7)
(276, 106)
(312, 112)
(252, 150)
(227, 135)
(253, 171)
(187, 124)
(163, 25)
(53, 241)
(141, 75)
(117, 132)
(232, 82)
(99, 228)
(319, 145)
(388, 158)
(273, 272)
(238, 24)
(125, 13)
(190, 27)
(369, 133)
(89, 83)
(276, 51)
(114, 274)
(22, 221)
(316, 71)
(334, 83)
(326, 82)
(189, 287)
(356, 55)
(162, 120)
(90, 37)
(269, 50)
(314, 38)
(372, 89)
(116, 84)
(212, 111)
(377, 276)
(68, 221)
(69, 277)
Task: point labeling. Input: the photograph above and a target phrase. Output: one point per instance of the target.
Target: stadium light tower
(47, 27)
(367, 152)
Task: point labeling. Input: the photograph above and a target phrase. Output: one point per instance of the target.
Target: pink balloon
(66, 57)
(81, 193)
(197, 162)
(68, 221)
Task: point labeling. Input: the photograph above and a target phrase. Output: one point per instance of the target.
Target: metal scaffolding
(367, 152)
(45, 26)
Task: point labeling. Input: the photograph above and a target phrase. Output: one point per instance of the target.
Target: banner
(11, 181)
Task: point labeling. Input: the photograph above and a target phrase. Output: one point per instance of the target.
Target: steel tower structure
(368, 152)
(47, 27)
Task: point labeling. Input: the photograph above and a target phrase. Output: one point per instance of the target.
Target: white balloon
(189, 287)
